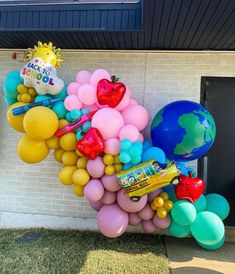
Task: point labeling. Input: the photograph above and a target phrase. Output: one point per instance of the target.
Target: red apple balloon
(92, 144)
(189, 189)
(110, 93)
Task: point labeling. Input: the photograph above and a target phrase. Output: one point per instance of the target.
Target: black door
(218, 167)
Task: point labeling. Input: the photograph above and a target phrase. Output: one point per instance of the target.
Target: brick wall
(155, 80)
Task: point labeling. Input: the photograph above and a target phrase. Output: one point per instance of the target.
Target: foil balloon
(146, 177)
(40, 71)
(110, 93)
(92, 144)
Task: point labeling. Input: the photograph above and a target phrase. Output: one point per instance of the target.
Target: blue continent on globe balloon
(185, 130)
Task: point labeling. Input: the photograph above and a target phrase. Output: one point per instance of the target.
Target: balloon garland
(94, 127)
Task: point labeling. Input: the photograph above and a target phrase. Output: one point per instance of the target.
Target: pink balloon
(96, 205)
(136, 115)
(96, 167)
(161, 223)
(134, 219)
(87, 94)
(98, 75)
(72, 88)
(94, 190)
(112, 221)
(126, 204)
(146, 213)
(90, 107)
(148, 226)
(72, 102)
(140, 138)
(109, 121)
(124, 103)
(83, 77)
(129, 132)
(133, 102)
(110, 183)
(112, 146)
(108, 198)
(154, 194)
(101, 106)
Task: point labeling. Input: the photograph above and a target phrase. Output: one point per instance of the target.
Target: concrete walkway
(186, 257)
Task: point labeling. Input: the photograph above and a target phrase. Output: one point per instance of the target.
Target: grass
(81, 252)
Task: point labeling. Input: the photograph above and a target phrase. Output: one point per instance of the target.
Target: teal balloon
(15, 75)
(208, 228)
(154, 153)
(172, 196)
(218, 204)
(136, 159)
(63, 94)
(68, 117)
(75, 114)
(39, 98)
(214, 246)
(124, 157)
(10, 87)
(59, 110)
(9, 100)
(79, 136)
(200, 204)
(86, 126)
(85, 111)
(183, 213)
(179, 231)
(125, 145)
(135, 151)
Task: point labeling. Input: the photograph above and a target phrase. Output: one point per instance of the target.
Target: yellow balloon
(158, 201)
(118, 167)
(164, 196)
(81, 177)
(116, 159)
(109, 170)
(108, 159)
(26, 98)
(153, 206)
(66, 175)
(168, 205)
(16, 122)
(68, 141)
(63, 123)
(32, 92)
(161, 212)
(40, 123)
(82, 162)
(78, 190)
(22, 89)
(79, 153)
(32, 150)
(69, 158)
(53, 142)
(58, 154)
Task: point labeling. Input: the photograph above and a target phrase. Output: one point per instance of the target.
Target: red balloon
(92, 144)
(189, 189)
(110, 93)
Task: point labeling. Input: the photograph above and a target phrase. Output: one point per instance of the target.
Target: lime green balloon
(183, 213)
(59, 110)
(200, 204)
(217, 204)
(10, 87)
(213, 247)
(208, 229)
(179, 231)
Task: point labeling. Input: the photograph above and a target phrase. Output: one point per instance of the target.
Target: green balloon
(217, 204)
(213, 247)
(9, 100)
(183, 213)
(179, 231)
(10, 87)
(63, 94)
(200, 204)
(59, 110)
(172, 196)
(208, 229)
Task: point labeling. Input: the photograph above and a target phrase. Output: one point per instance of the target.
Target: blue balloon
(85, 111)
(179, 231)
(147, 144)
(154, 153)
(182, 168)
(217, 204)
(128, 165)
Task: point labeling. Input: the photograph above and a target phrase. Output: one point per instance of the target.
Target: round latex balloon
(94, 190)
(208, 228)
(72, 88)
(112, 221)
(149, 226)
(110, 183)
(108, 197)
(69, 158)
(179, 231)
(72, 102)
(68, 141)
(146, 213)
(40, 123)
(126, 204)
(136, 115)
(109, 122)
(83, 77)
(66, 175)
(112, 146)
(98, 75)
(200, 204)
(96, 167)
(134, 219)
(183, 213)
(217, 204)
(96, 205)
(32, 150)
(161, 223)
(87, 94)
(154, 153)
(129, 132)
(214, 246)
(16, 122)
